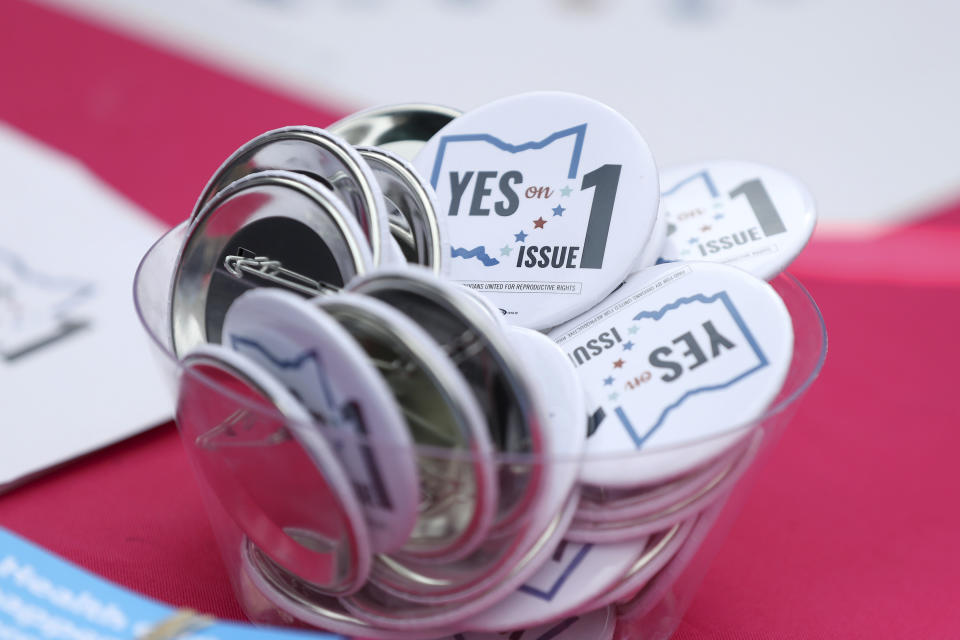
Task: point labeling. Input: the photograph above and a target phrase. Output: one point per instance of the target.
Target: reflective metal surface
(602, 504)
(713, 492)
(390, 610)
(315, 153)
(402, 128)
(303, 602)
(412, 206)
(484, 357)
(660, 550)
(530, 497)
(257, 449)
(284, 218)
(458, 493)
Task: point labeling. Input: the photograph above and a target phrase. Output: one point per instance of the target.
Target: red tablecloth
(851, 529)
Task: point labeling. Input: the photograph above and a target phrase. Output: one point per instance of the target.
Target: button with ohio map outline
(546, 200)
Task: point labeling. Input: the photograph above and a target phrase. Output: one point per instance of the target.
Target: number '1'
(767, 215)
(605, 179)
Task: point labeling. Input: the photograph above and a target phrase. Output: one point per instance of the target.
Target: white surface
(69, 247)
(858, 99)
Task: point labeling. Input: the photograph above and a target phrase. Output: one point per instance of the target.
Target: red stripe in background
(850, 529)
(152, 124)
(923, 253)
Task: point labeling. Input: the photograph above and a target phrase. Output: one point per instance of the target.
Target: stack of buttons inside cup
(421, 351)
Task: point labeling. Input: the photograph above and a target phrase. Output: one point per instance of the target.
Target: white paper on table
(76, 372)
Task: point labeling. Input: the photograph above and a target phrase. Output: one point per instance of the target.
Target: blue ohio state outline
(707, 181)
(723, 297)
(551, 593)
(238, 343)
(580, 131)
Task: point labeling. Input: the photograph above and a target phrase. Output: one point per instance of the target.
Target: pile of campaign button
(417, 433)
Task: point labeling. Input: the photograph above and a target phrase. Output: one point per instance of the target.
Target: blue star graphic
(558, 210)
(608, 381)
(694, 240)
(628, 345)
(614, 395)
(633, 329)
(521, 237)
(565, 192)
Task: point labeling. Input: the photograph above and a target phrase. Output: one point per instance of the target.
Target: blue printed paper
(42, 596)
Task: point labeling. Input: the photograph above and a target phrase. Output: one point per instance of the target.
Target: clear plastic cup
(244, 487)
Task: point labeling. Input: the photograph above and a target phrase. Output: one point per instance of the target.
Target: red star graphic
(539, 222)
(705, 228)
(618, 364)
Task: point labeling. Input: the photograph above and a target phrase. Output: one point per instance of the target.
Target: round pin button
(270, 229)
(402, 128)
(322, 156)
(545, 201)
(476, 344)
(675, 361)
(315, 358)
(533, 542)
(457, 491)
(745, 214)
(411, 206)
(270, 469)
